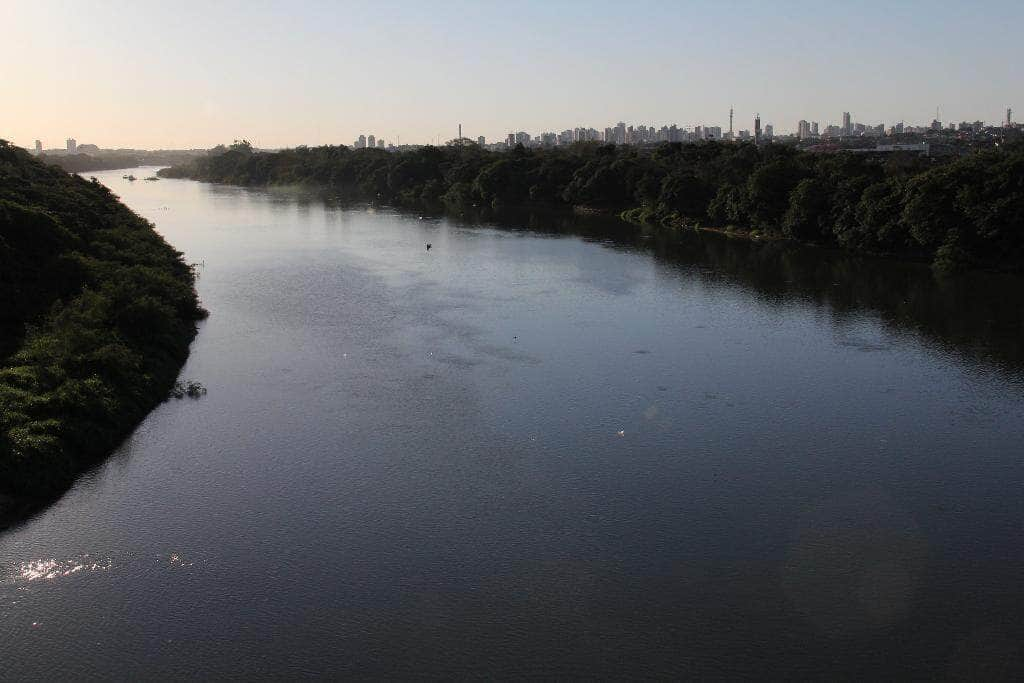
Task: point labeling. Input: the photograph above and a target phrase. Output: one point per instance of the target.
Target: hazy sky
(178, 74)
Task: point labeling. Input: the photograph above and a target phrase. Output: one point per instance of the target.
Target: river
(540, 448)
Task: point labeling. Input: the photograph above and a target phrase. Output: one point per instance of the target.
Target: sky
(180, 74)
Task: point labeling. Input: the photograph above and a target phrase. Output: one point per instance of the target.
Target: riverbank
(101, 312)
(15, 510)
(956, 213)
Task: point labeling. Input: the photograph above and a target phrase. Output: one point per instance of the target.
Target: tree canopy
(959, 211)
(96, 314)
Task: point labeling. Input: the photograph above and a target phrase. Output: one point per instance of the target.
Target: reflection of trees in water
(977, 314)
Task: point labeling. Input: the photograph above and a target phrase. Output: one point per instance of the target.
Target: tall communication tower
(730, 122)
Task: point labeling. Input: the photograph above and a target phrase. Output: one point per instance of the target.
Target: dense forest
(83, 163)
(96, 315)
(964, 211)
(111, 159)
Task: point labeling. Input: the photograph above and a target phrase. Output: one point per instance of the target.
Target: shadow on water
(978, 315)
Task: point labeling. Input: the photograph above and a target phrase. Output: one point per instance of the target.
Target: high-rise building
(620, 133)
(39, 144)
(814, 129)
(847, 127)
(769, 131)
(481, 141)
(757, 128)
(72, 146)
(803, 130)
(371, 142)
(510, 141)
(381, 144)
(1009, 119)
(361, 142)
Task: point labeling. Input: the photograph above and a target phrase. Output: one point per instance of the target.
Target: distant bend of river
(542, 448)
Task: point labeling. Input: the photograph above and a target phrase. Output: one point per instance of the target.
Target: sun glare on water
(37, 570)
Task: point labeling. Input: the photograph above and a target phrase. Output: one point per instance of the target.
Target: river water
(541, 449)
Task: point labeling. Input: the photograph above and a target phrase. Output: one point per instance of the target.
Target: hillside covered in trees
(96, 315)
(967, 211)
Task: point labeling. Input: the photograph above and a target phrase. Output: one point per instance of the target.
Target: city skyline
(638, 133)
(413, 72)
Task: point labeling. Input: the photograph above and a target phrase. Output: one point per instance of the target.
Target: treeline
(108, 160)
(83, 163)
(965, 211)
(96, 315)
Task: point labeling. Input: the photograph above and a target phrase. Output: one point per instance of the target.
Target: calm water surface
(542, 451)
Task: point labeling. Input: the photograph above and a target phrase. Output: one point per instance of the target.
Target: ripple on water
(52, 568)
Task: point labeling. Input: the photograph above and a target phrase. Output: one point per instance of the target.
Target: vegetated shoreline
(965, 212)
(98, 313)
(109, 161)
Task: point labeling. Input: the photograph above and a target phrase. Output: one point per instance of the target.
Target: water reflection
(50, 569)
(978, 314)
(617, 454)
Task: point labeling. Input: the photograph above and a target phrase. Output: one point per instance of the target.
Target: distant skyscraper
(381, 144)
(371, 142)
(757, 128)
(1009, 120)
(620, 133)
(481, 141)
(72, 146)
(803, 130)
(39, 144)
(847, 127)
(814, 129)
(361, 142)
(769, 131)
(730, 122)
